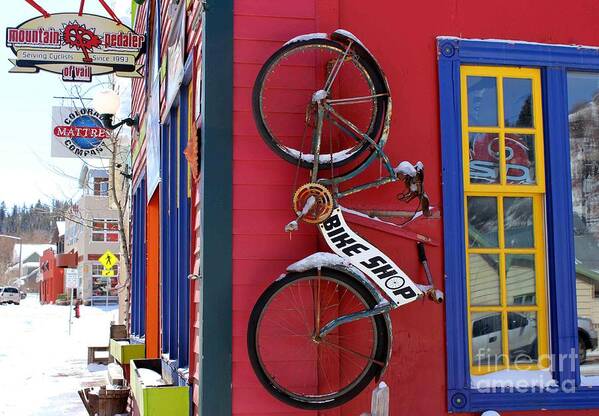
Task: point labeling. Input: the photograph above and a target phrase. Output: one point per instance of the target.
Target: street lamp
(20, 249)
(107, 103)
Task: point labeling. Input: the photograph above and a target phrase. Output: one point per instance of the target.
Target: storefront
(506, 130)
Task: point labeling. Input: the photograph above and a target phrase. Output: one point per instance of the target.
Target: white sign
(71, 278)
(153, 140)
(78, 133)
(369, 259)
(77, 46)
(175, 51)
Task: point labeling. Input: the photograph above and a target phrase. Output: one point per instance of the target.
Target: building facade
(506, 130)
(91, 228)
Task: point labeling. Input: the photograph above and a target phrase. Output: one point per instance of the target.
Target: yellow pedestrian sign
(108, 260)
(108, 272)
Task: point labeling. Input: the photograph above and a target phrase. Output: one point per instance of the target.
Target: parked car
(587, 338)
(10, 294)
(486, 338)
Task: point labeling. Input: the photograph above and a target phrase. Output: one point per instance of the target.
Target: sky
(27, 171)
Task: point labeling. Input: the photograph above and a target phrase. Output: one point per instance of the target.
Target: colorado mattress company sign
(78, 133)
(75, 46)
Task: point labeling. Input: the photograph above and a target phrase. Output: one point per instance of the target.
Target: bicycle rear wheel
(285, 112)
(292, 363)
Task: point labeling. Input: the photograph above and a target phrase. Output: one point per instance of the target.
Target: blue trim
(164, 235)
(183, 226)
(138, 266)
(172, 238)
(554, 62)
(188, 69)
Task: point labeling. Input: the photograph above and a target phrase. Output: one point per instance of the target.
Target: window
(101, 186)
(520, 152)
(504, 231)
(583, 95)
(100, 282)
(105, 230)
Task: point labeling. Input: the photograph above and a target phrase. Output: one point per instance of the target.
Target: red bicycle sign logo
(80, 37)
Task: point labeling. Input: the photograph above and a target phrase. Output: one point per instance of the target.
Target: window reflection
(517, 102)
(519, 158)
(484, 157)
(482, 221)
(482, 101)
(520, 279)
(522, 337)
(484, 279)
(486, 339)
(518, 222)
(583, 117)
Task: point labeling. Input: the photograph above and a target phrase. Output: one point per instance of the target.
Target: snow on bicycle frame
(383, 271)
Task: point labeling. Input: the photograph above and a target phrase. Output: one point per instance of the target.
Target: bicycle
(321, 332)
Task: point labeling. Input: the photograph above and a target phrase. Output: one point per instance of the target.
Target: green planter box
(123, 351)
(157, 400)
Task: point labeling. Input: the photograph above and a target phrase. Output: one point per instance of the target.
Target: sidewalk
(42, 367)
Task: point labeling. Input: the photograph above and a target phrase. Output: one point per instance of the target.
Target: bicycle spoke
(336, 68)
(355, 353)
(324, 367)
(355, 100)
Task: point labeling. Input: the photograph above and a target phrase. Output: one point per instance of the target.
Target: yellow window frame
(500, 191)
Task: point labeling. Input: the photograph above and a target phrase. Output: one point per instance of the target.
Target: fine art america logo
(75, 46)
(79, 132)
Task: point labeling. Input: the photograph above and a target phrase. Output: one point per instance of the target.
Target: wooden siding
(261, 189)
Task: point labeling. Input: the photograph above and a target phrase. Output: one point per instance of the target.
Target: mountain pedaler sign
(78, 133)
(77, 46)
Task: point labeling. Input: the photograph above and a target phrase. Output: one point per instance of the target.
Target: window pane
(112, 237)
(520, 279)
(482, 101)
(482, 221)
(522, 337)
(486, 338)
(517, 102)
(484, 279)
(520, 158)
(484, 157)
(518, 222)
(97, 236)
(583, 117)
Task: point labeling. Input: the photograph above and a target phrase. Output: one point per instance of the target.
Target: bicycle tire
(380, 339)
(294, 156)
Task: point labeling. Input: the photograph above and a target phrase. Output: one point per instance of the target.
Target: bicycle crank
(312, 203)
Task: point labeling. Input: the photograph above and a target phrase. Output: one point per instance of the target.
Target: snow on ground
(41, 366)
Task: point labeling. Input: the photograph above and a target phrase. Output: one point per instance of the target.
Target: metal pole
(20, 257)
(71, 312)
(107, 287)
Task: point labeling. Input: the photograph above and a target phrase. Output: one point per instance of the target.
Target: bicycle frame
(326, 110)
(374, 266)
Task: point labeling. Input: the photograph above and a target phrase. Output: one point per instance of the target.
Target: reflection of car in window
(587, 338)
(486, 338)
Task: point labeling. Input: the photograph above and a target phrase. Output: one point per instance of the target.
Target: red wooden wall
(261, 188)
(402, 36)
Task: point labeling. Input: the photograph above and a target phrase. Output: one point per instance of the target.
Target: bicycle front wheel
(284, 102)
(292, 362)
